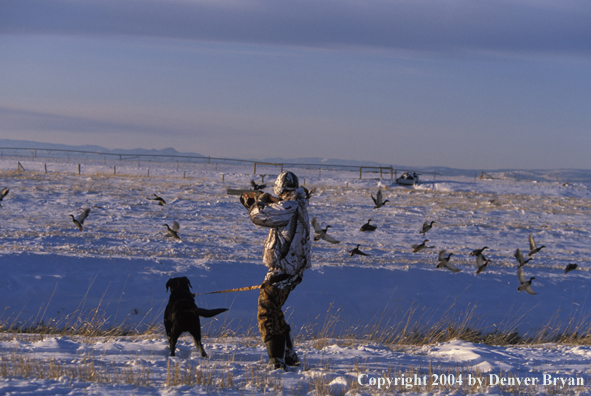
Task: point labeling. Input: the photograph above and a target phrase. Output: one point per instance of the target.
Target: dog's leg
(197, 337)
(168, 327)
(168, 318)
(174, 336)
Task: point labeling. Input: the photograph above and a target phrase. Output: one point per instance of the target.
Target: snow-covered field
(346, 313)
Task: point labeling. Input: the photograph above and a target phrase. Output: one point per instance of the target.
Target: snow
(345, 313)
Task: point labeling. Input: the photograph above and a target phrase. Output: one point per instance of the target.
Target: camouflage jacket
(287, 247)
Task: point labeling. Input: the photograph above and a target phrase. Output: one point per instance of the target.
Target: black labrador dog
(182, 314)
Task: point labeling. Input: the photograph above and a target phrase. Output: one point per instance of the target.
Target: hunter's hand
(247, 201)
(268, 198)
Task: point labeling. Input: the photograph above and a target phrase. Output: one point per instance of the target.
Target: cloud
(18, 120)
(455, 25)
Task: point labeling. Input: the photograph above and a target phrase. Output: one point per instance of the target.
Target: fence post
(254, 172)
(380, 171)
(78, 168)
(45, 168)
(360, 173)
(114, 170)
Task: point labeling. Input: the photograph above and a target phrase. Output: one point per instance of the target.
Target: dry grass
(87, 369)
(393, 328)
(318, 379)
(416, 327)
(255, 379)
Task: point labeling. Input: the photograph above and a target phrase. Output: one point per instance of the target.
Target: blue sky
(467, 84)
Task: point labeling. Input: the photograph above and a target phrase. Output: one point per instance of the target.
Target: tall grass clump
(418, 326)
(84, 322)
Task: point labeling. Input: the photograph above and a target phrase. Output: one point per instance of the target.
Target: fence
(36, 153)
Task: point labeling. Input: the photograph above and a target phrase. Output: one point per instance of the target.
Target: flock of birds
(482, 261)
(79, 219)
(444, 258)
(171, 232)
(322, 233)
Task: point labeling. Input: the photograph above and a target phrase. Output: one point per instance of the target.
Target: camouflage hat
(286, 181)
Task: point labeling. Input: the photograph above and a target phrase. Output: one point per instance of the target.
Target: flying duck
(481, 263)
(257, 187)
(532, 246)
(158, 200)
(426, 227)
(570, 267)
(321, 233)
(173, 232)
(3, 194)
(444, 261)
(378, 201)
(309, 192)
(368, 227)
(80, 219)
(421, 246)
(357, 251)
(520, 259)
(524, 284)
(478, 252)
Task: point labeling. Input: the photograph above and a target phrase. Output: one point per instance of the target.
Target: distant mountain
(8, 143)
(322, 161)
(353, 163)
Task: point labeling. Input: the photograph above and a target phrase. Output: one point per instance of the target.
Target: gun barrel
(251, 193)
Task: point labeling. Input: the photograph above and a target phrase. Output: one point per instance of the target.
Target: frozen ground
(114, 274)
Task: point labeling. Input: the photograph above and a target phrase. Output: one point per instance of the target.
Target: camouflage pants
(270, 317)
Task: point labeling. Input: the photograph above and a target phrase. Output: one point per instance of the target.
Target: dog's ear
(168, 284)
(187, 281)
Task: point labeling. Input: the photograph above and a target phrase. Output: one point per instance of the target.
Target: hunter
(287, 255)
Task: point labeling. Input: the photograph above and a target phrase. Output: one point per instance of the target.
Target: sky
(459, 83)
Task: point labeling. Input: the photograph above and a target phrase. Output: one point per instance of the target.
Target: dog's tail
(209, 313)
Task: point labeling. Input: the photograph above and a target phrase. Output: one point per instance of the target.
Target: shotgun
(251, 194)
(238, 289)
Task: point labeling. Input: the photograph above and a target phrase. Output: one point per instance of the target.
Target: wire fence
(39, 154)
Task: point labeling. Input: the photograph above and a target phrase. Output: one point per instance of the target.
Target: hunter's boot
(291, 358)
(276, 351)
